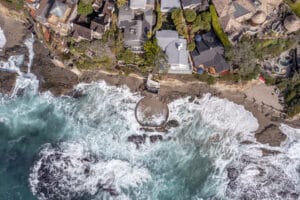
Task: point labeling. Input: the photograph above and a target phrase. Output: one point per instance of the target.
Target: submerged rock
(137, 139)
(155, 138)
(172, 123)
(76, 94)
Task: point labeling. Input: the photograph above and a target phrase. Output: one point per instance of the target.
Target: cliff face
(55, 79)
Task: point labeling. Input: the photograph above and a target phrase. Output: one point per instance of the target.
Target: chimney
(179, 46)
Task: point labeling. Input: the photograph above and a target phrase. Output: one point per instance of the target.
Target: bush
(217, 27)
(210, 80)
(295, 6)
(85, 7)
(191, 46)
(159, 18)
(190, 15)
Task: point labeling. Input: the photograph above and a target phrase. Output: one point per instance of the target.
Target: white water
(29, 44)
(96, 161)
(2, 39)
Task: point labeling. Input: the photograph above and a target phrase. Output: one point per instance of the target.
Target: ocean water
(60, 148)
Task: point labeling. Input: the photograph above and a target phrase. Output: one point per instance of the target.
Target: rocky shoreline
(61, 81)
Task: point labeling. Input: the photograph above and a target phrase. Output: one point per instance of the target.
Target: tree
(151, 50)
(191, 46)
(217, 27)
(159, 18)
(179, 22)
(206, 16)
(190, 15)
(84, 7)
(121, 3)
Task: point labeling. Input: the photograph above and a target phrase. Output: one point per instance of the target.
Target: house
(56, 15)
(232, 13)
(208, 55)
(200, 5)
(137, 20)
(81, 32)
(167, 5)
(176, 51)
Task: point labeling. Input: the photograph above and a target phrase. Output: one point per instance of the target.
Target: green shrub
(190, 15)
(191, 46)
(159, 18)
(295, 6)
(210, 80)
(217, 27)
(85, 7)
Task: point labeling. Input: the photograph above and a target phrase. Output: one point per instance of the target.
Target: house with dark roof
(137, 20)
(175, 49)
(208, 55)
(81, 32)
(199, 5)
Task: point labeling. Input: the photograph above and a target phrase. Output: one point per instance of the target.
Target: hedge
(217, 27)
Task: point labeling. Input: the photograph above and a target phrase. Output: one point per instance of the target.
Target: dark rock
(267, 152)
(161, 130)
(172, 124)
(155, 138)
(76, 94)
(270, 135)
(232, 173)
(55, 79)
(137, 139)
(191, 99)
(7, 82)
(147, 129)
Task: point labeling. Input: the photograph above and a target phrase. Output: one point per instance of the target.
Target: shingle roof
(177, 52)
(189, 2)
(98, 25)
(167, 5)
(165, 37)
(239, 10)
(43, 10)
(210, 58)
(81, 31)
(209, 52)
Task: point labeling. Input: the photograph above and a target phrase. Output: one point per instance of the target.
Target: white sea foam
(76, 172)
(210, 137)
(12, 64)
(2, 39)
(29, 44)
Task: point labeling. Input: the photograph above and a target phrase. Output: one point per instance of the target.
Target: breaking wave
(80, 148)
(2, 39)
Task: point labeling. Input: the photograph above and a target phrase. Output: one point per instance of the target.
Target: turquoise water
(100, 124)
(65, 148)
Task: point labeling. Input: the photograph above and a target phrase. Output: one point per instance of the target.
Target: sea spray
(2, 39)
(29, 44)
